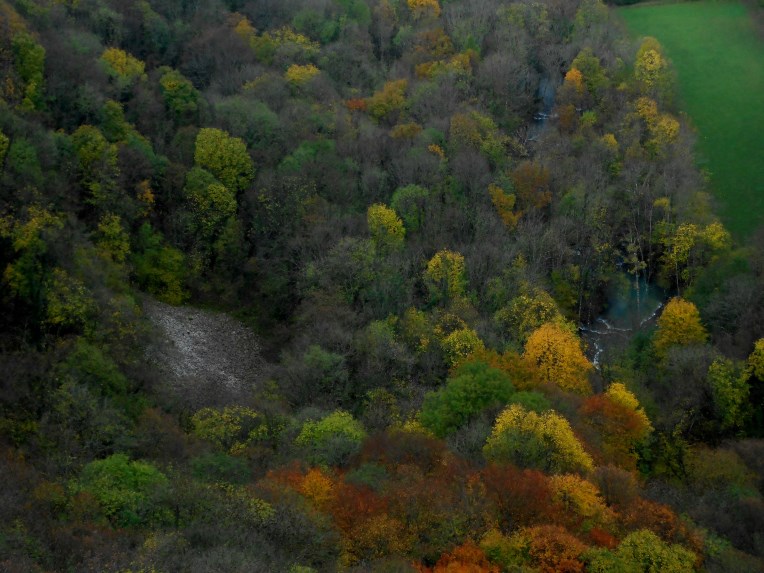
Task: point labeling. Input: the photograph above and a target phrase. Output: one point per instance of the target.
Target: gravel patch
(208, 358)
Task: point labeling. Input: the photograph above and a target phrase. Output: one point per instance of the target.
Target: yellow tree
(390, 99)
(678, 325)
(300, 75)
(541, 441)
(651, 68)
(123, 67)
(557, 354)
(422, 8)
(756, 360)
(445, 276)
(386, 228)
(505, 204)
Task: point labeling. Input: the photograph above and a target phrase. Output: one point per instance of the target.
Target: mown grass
(719, 62)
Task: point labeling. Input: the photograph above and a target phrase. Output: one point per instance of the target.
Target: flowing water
(631, 308)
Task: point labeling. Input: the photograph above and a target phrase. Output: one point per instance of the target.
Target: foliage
(557, 354)
(387, 230)
(445, 276)
(643, 551)
(232, 429)
(331, 438)
(225, 157)
(299, 75)
(159, 268)
(29, 61)
(409, 203)
(180, 96)
(730, 393)
(98, 166)
(389, 101)
(504, 203)
(124, 490)
(527, 312)
(459, 344)
(212, 202)
(471, 389)
(678, 324)
(623, 424)
(543, 441)
(123, 67)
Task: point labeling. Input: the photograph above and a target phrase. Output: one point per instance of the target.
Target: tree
(123, 67)
(459, 344)
(467, 558)
(180, 96)
(730, 393)
(581, 498)
(445, 276)
(29, 61)
(620, 420)
(556, 352)
(98, 167)
(409, 202)
(541, 441)
(212, 202)
(124, 489)
(159, 268)
(642, 551)
(678, 325)
(531, 182)
(225, 157)
(527, 312)
(651, 68)
(471, 389)
(232, 429)
(332, 439)
(504, 203)
(387, 230)
(300, 75)
(424, 8)
(388, 102)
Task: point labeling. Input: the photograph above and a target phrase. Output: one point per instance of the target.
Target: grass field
(719, 62)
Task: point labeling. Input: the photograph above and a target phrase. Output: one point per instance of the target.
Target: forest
(394, 286)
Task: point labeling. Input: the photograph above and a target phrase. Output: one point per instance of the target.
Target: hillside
(366, 285)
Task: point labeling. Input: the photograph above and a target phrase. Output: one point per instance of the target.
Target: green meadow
(719, 63)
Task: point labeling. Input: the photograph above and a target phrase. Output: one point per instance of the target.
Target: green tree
(4, 145)
(332, 439)
(125, 490)
(211, 201)
(409, 202)
(98, 168)
(159, 268)
(225, 157)
(180, 95)
(29, 61)
(729, 390)
(642, 552)
(471, 389)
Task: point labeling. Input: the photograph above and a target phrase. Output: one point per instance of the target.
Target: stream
(630, 310)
